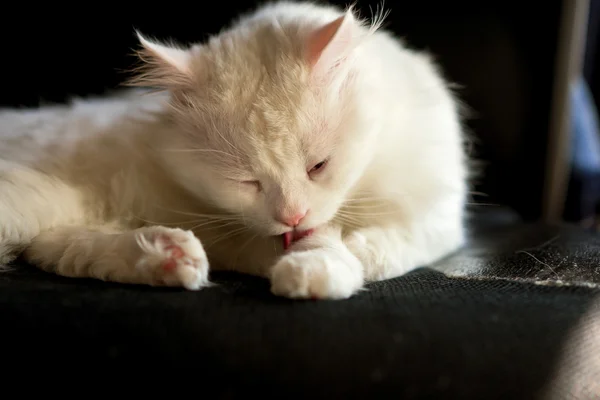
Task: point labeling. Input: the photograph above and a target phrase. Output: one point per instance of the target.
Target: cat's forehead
(261, 76)
(263, 108)
(262, 97)
(266, 98)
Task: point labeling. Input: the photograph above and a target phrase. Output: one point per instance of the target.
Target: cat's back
(28, 133)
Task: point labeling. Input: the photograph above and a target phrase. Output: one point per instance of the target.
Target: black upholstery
(424, 334)
(495, 321)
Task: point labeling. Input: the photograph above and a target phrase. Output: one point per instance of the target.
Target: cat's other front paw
(317, 274)
(173, 257)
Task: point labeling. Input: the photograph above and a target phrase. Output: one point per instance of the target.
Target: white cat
(302, 145)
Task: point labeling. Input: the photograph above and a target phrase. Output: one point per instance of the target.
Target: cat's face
(274, 131)
(278, 157)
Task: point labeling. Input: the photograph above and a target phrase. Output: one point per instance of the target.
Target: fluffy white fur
(113, 188)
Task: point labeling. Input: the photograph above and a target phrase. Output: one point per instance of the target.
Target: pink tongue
(290, 237)
(287, 240)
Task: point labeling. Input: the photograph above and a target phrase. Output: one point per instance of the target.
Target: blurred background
(510, 57)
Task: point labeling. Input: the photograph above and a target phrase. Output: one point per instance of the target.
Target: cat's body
(298, 116)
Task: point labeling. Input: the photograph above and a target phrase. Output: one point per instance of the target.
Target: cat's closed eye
(252, 183)
(317, 168)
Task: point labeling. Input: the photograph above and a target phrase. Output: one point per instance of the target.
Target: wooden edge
(568, 67)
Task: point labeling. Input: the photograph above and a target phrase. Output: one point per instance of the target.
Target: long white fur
(108, 188)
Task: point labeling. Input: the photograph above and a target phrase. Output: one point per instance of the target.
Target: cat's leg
(324, 266)
(155, 256)
(48, 221)
(391, 251)
(318, 267)
(31, 202)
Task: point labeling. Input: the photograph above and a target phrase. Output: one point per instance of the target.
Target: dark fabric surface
(423, 335)
(502, 248)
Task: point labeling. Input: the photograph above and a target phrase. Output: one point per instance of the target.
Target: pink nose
(292, 220)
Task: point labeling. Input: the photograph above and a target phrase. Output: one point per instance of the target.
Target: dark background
(503, 53)
(591, 67)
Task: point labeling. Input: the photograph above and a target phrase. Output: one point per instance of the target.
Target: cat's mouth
(293, 236)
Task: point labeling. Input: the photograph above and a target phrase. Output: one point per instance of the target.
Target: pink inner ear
(328, 44)
(319, 39)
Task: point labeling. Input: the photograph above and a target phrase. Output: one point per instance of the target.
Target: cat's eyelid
(252, 182)
(242, 179)
(318, 161)
(318, 167)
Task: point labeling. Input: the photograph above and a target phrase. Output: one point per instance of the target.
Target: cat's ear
(164, 66)
(170, 57)
(330, 44)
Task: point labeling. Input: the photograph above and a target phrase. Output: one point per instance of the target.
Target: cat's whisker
(200, 215)
(346, 215)
(178, 223)
(215, 128)
(366, 199)
(202, 151)
(349, 222)
(364, 206)
(222, 224)
(155, 222)
(241, 208)
(241, 228)
(367, 214)
(355, 200)
(242, 247)
(204, 220)
(229, 235)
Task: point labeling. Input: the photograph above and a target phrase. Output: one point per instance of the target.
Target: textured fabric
(535, 253)
(417, 336)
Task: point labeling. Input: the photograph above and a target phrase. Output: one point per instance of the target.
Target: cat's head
(270, 123)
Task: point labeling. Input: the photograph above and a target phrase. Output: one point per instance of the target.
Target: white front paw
(374, 262)
(172, 257)
(323, 273)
